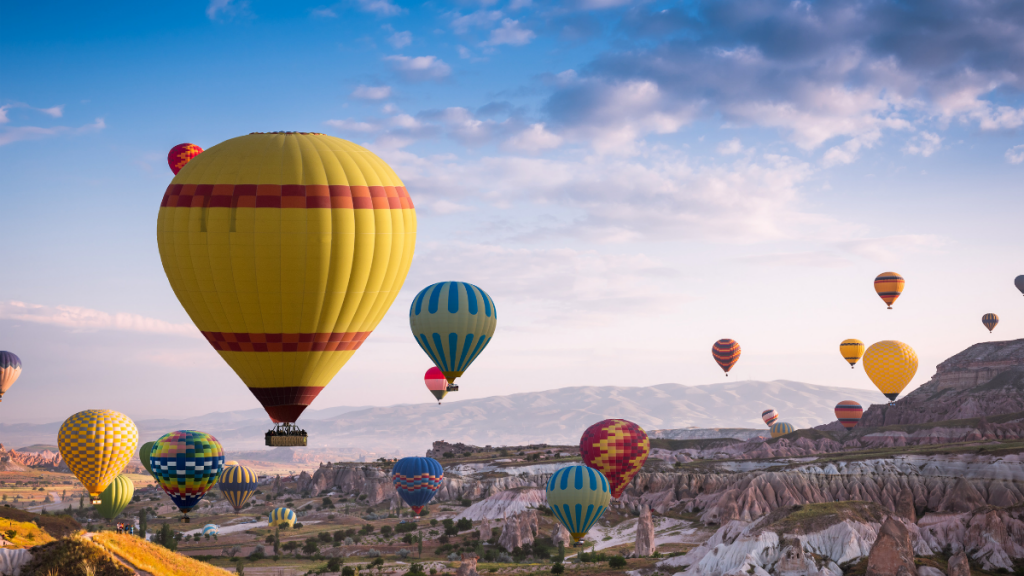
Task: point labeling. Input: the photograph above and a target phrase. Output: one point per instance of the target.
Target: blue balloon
(417, 479)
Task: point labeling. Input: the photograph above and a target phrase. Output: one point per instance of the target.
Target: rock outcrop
(45, 460)
(560, 534)
(505, 503)
(468, 566)
(372, 481)
(958, 565)
(519, 530)
(992, 537)
(12, 560)
(644, 534)
(892, 553)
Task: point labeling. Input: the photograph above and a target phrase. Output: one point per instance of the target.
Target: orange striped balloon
(889, 286)
(849, 412)
(726, 352)
(990, 320)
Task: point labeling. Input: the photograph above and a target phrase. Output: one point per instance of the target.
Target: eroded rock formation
(644, 533)
(892, 553)
(519, 530)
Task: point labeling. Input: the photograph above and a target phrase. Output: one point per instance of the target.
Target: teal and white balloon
(578, 496)
(453, 322)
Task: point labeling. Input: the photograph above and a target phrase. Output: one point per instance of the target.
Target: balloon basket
(96, 501)
(286, 434)
(452, 388)
(185, 519)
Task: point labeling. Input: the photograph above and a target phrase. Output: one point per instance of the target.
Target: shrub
(466, 502)
(454, 557)
(325, 537)
(403, 553)
(312, 546)
(258, 553)
(557, 568)
(405, 527)
(464, 524)
(290, 545)
(385, 531)
(433, 522)
(617, 562)
(339, 535)
(333, 565)
(348, 571)
(297, 525)
(373, 553)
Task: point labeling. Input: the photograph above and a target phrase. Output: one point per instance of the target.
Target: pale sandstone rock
(644, 534)
(468, 566)
(11, 561)
(958, 565)
(892, 553)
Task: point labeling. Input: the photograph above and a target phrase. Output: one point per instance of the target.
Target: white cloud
(510, 33)
(18, 133)
(479, 19)
(371, 92)
(420, 67)
(924, 144)
(1015, 155)
(352, 125)
(534, 139)
(464, 52)
(323, 13)
(88, 320)
(227, 8)
(446, 207)
(400, 39)
(602, 4)
(730, 147)
(380, 7)
(54, 112)
(405, 121)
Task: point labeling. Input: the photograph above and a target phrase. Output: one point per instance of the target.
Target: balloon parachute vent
(286, 434)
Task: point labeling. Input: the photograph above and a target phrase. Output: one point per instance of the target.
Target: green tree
(617, 562)
(81, 502)
(277, 542)
(334, 565)
(11, 534)
(166, 538)
(419, 546)
(385, 531)
(240, 568)
(311, 547)
(557, 568)
(561, 552)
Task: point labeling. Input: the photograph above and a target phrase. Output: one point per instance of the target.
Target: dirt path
(126, 563)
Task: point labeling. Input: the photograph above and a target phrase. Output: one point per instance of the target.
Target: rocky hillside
(986, 379)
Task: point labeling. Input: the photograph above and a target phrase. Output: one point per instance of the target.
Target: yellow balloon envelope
(97, 444)
(891, 365)
(286, 250)
(852, 350)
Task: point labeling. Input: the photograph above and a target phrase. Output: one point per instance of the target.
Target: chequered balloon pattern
(726, 352)
(770, 416)
(891, 365)
(280, 516)
(181, 154)
(186, 464)
(97, 444)
(416, 480)
(781, 429)
(849, 412)
(618, 448)
(238, 484)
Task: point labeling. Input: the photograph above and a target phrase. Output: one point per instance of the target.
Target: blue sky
(630, 181)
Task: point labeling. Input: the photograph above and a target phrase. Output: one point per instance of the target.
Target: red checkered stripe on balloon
(618, 449)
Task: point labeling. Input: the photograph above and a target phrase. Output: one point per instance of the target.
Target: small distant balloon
(849, 412)
(1019, 283)
(889, 286)
(10, 369)
(436, 383)
(990, 320)
(770, 416)
(852, 350)
(181, 154)
(726, 352)
(780, 429)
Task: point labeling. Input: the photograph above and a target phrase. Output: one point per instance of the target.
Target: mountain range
(556, 416)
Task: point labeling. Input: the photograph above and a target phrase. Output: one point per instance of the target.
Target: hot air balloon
(726, 353)
(436, 383)
(990, 320)
(780, 429)
(144, 452)
(10, 369)
(116, 496)
(181, 155)
(282, 516)
(416, 480)
(889, 286)
(453, 322)
(851, 349)
(238, 484)
(769, 416)
(1019, 283)
(578, 496)
(186, 464)
(891, 365)
(286, 249)
(96, 445)
(849, 412)
(618, 448)
(211, 530)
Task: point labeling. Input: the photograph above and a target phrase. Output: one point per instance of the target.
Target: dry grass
(153, 558)
(28, 534)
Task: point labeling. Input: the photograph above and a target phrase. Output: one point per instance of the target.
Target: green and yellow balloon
(116, 497)
(453, 322)
(578, 496)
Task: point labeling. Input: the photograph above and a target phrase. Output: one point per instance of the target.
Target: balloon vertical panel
(453, 322)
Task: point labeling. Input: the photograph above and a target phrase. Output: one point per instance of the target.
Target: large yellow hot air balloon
(97, 444)
(891, 365)
(286, 249)
(852, 350)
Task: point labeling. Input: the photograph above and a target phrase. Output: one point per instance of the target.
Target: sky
(629, 181)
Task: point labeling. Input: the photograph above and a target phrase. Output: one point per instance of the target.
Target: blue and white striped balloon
(578, 496)
(453, 322)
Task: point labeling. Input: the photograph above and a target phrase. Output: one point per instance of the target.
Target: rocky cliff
(986, 379)
(46, 460)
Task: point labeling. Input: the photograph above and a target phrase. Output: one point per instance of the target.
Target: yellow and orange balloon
(852, 350)
(889, 286)
(96, 445)
(286, 249)
(890, 365)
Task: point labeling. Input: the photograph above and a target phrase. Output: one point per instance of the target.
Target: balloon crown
(289, 132)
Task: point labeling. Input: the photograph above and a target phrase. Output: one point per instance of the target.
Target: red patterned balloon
(181, 154)
(726, 352)
(618, 448)
(848, 412)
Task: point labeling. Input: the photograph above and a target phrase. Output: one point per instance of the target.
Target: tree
(385, 531)
(348, 571)
(464, 524)
(11, 534)
(240, 569)
(617, 562)
(166, 538)
(557, 568)
(81, 502)
(561, 552)
(325, 537)
(334, 565)
(277, 542)
(419, 546)
(312, 546)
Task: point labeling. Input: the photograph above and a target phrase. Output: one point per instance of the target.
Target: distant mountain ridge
(556, 416)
